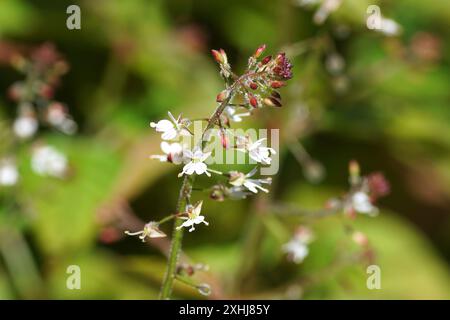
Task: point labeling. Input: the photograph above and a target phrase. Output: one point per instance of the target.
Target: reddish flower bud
(253, 101)
(276, 94)
(266, 60)
(277, 84)
(354, 171)
(272, 102)
(222, 96)
(46, 91)
(217, 56)
(224, 140)
(254, 86)
(259, 51)
(378, 185)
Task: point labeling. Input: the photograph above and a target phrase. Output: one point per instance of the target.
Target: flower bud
(253, 86)
(272, 102)
(259, 51)
(253, 101)
(277, 84)
(360, 238)
(222, 96)
(217, 193)
(354, 171)
(217, 56)
(276, 95)
(224, 139)
(266, 60)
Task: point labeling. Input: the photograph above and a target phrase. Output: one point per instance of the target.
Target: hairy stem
(183, 199)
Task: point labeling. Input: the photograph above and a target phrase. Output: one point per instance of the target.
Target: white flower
(255, 150)
(296, 250)
(196, 163)
(239, 179)
(47, 161)
(173, 153)
(151, 230)
(25, 126)
(389, 27)
(8, 173)
(297, 247)
(172, 128)
(231, 114)
(360, 201)
(193, 217)
(58, 117)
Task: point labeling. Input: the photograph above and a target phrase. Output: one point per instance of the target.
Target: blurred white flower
(297, 248)
(8, 173)
(361, 203)
(389, 27)
(196, 163)
(58, 117)
(172, 128)
(25, 126)
(239, 179)
(47, 161)
(173, 153)
(193, 217)
(150, 230)
(255, 150)
(231, 114)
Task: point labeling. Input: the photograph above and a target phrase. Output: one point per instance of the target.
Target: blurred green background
(132, 61)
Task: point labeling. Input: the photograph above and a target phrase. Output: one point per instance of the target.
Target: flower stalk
(184, 199)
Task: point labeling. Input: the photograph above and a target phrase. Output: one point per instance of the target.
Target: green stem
(177, 237)
(183, 199)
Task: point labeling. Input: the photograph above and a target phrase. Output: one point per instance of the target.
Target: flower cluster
(364, 193)
(256, 88)
(35, 94)
(36, 106)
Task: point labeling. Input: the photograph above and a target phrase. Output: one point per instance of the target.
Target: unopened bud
(217, 56)
(266, 60)
(272, 102)
(360, 238)
(253, 101)
(224, 139)
(259, 51)
(222, 96)
(277, 84)
(354, 171)
(217, 193)
(253, 86)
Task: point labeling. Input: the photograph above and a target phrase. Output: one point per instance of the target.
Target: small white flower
(193, 217)
(297, 248)
(25, 126)
(389, 27)
(239, 179)
(196, 163)
(58, 117)
(173, 153)
(150, 230)
(47, 161)
(360, 201)
(172, 128)
(231, 114)
(255, 150)
(8, 173)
